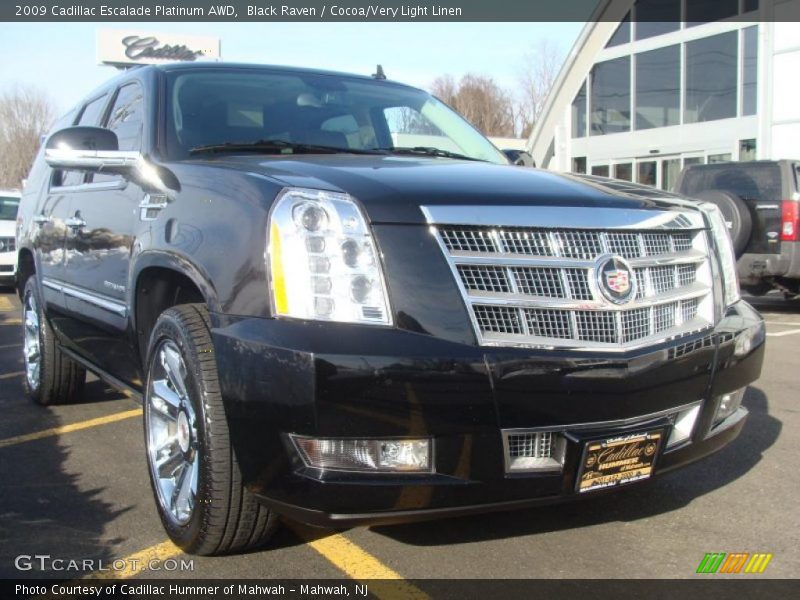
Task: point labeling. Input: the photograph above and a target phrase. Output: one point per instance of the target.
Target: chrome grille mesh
(484, 278)
(568, 243)
(541, 286)
(531, 444)
(539, 281)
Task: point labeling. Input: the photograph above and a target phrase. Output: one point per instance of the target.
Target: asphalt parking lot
(74, 485)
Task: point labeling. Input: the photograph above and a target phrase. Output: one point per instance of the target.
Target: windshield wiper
(429, 151)
(279, 147)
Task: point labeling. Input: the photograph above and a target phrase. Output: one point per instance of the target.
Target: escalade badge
(615, 279)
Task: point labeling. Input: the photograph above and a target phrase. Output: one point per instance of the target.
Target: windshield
(209, 108)
(8, 208)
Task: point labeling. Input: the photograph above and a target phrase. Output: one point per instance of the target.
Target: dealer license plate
(618, 460)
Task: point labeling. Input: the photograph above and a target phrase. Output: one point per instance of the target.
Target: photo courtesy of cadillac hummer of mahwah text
(338, 302)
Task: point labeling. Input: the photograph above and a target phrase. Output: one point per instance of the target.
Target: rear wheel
(194, 472)
(51, 377)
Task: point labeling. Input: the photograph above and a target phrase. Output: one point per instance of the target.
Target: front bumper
(8, 267)
(329, 380)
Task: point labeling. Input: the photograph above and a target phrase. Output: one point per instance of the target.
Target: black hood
(392, 188)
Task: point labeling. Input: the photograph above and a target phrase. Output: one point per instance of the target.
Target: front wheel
(196, 479)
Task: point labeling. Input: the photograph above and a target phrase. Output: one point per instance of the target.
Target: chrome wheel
(31, 343)
(172, 448)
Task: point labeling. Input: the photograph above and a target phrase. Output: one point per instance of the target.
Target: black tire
(60, 379)
(737, 215)
(225, 518)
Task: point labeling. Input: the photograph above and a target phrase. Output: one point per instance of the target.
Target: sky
(61, 57)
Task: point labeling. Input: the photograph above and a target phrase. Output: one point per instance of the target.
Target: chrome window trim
(572, 217)
(99, 186)
(98, 300)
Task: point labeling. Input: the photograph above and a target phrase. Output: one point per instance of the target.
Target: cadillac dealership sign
(121, 48)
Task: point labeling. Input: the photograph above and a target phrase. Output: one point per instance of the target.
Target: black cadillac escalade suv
(340, 303)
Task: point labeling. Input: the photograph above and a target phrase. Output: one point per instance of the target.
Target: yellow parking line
(138, 561)
(37, 435)
(5, 304)
(12, 375)
(783, 333)
(358, 564)
(10, 321)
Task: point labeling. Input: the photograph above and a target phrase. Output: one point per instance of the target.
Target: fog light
(404, 455)
(684, 426)
(728, 404)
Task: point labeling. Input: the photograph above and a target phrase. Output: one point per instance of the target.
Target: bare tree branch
(540, 67)
(480, 100)
(25, 115)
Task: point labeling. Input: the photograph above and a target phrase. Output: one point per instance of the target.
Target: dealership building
(654, 85)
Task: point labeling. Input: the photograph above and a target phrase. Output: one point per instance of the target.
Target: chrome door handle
(75, 223)
(41, 219)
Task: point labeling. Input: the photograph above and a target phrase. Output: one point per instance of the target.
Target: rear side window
(749, 181)
(90, 115)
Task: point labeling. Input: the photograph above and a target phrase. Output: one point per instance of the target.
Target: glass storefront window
(711, 78)
(623, 171)
(656, 17)
(750, 71)
(579, 113)
(579, 164)
(611, 96)
(658, 87)
(693, 160)
(646, 172)
(623, 33)
(705, 11)
(719, 158)
(600, 170)
(670, 168)
(747, 150)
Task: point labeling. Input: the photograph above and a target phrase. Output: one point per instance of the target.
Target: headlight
(323, 261)
(727, 260)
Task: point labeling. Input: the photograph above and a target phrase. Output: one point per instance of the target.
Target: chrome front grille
(534, 282)
(570, 244)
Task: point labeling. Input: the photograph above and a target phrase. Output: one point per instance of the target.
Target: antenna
(379, 74)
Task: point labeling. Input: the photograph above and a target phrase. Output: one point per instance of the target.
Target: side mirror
(519, 158)
(90, 149)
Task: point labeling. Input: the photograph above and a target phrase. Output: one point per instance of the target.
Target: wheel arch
(161, 281)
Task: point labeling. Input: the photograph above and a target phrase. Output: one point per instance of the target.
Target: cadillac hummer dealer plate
(617, 461)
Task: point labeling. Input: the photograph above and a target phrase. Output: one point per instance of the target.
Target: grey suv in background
(761, 204)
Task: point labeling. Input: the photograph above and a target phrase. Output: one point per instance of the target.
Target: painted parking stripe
(358, 564)
(12, 375)
(783, 333)
(137, 562)
(784, 323)
(38, 435)
(10, 322)
(5, 304)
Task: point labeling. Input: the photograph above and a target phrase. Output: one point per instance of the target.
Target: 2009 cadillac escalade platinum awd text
(340, 303)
